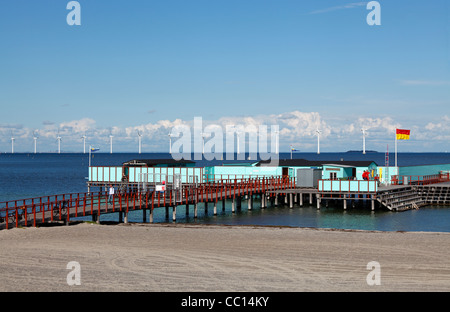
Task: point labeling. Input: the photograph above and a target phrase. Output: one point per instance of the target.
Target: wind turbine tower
(140, 140)
(170, 143)
(58, 138)
(238, 142)
(276, 141)
(364, 139)
(318, 132)
(110, 143)
(35, 137)
(84, 143)
(12, 143)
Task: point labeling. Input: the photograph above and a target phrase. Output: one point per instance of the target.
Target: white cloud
(78, 126)
(296, 127)
(444, 125)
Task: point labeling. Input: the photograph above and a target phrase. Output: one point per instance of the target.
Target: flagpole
(396, 168)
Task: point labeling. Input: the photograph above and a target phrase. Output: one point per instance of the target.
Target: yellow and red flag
(402, 134)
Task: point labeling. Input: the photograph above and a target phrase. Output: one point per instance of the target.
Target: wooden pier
(63, 208)
(276, 191)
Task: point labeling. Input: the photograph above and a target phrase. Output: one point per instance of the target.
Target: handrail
(420, 179)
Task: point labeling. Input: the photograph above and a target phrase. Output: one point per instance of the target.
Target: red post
(153, 200)
(51, 210)
(34, 212)
(6, 215)
(25, 212)
(76, 204)
(68, 211)
(42, 209)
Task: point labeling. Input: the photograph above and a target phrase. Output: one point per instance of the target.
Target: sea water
(27, 175)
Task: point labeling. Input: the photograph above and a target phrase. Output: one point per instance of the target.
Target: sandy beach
(204, 258)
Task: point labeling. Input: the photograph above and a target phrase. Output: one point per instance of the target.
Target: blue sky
(150, 65)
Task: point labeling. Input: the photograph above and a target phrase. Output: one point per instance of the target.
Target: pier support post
(372, 202)
(215, 207)
(174, 213)
(249, 201)
(151, 216)
(276, 199)
(125, 217)
(291, 202)
(263, 201)
(345, 202)
(310, 198)
(318, 201)
(195, 209)
(301, 199)
(233, 204)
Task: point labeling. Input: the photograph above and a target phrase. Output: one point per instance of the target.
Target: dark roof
(317, 163)
(156, 162)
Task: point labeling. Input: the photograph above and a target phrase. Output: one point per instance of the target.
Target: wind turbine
(318, 132)
(84, 143)
(140, 140)
(35, 137)
(237, 142)
(12, 143)
(170, 143)
(276, 141)
(364, 139)
(58, 138)
(110, 142)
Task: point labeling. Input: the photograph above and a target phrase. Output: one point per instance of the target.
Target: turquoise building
(158, 170)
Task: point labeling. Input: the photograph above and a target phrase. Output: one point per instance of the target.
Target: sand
(211, 258)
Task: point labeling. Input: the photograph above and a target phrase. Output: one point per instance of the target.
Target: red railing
(64, 206)
(420, 179)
